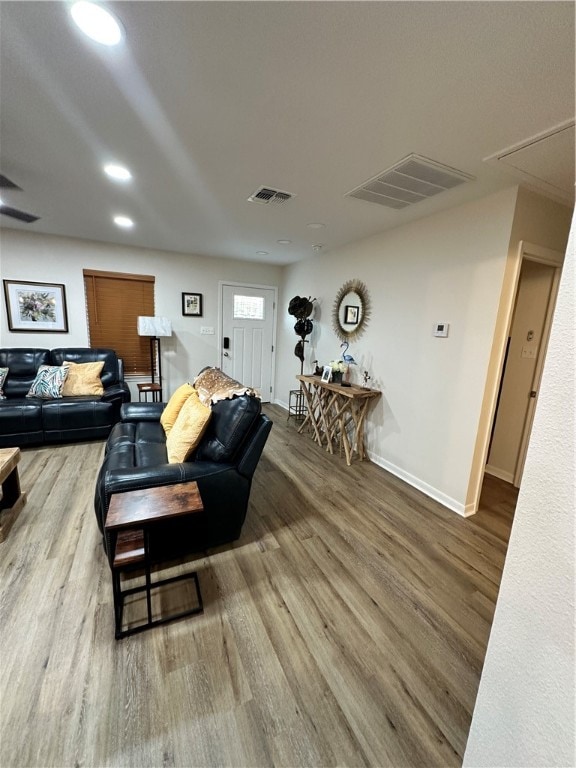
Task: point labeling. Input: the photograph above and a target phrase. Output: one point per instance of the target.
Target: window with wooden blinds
(114, 300)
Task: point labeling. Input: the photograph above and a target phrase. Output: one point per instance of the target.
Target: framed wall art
(351, 313)
(192, 304)
(35, 307)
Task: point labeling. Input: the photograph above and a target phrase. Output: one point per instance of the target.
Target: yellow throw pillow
(173, 406)
(83, 379)
(185, 435)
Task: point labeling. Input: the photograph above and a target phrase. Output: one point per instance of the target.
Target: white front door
(247, 343)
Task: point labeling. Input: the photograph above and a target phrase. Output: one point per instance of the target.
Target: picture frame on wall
(192, 304)
(351, 313)
(36, 307)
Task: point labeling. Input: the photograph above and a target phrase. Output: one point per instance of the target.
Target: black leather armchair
(223, 466)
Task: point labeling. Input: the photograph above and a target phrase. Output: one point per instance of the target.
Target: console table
(131, 515)
(336, 414)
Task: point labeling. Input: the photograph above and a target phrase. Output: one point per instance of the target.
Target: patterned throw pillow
(49, 382)
(3, 374)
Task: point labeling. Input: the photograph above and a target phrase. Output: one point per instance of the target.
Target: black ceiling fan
(7, 210)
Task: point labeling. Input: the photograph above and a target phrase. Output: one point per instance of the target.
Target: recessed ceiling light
(315, 225)
(123, 221)
(117, 172)
(284, 242)
(96, 22)
(262, 253)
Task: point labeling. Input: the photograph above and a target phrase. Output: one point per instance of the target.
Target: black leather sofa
(33, 421)
(223, 466)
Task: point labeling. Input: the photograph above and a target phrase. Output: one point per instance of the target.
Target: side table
(12, 499)
(296, 404)
(154, 389)
(131, 518)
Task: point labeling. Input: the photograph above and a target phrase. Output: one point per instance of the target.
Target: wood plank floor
(348, 625)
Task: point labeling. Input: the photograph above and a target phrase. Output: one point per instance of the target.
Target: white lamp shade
(154, 326)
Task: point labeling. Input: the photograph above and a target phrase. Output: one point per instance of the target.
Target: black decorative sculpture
(301, 308)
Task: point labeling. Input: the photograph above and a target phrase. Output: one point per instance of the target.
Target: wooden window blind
(114, 300)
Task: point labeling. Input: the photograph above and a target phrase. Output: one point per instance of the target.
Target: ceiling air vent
(266, 196)
(412, 179)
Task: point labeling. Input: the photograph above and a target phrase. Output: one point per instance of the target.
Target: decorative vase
(337, 377)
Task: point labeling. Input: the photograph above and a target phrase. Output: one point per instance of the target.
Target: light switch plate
(207, 330)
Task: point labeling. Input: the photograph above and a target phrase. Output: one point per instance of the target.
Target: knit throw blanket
(213, 385)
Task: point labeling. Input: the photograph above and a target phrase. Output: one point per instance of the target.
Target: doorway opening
(522, 369)
(519, 350)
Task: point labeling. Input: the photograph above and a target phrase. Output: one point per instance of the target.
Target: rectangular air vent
(407, 182)
(267, 195)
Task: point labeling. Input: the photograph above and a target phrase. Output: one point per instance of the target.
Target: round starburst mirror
(351, 310)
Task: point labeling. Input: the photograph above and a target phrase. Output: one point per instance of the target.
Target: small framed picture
(351, 314)
(34, 307)
(326, 373)
(192, 304)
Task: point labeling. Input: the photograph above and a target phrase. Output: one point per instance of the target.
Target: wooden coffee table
(12, 499)
(129, 525)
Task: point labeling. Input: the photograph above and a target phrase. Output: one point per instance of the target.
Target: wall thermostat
(441, 329)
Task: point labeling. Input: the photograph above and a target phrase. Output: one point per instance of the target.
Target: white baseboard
(429, 490)
(508, 477)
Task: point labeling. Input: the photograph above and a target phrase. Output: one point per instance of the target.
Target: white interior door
(529, 332)
(247, 343)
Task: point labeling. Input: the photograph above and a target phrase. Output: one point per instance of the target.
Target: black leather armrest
(141, 411)
(139, 478)
(118, 391)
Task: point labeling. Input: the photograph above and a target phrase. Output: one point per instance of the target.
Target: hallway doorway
(523, 364)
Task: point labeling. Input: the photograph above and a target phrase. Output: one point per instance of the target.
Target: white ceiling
(206, 101)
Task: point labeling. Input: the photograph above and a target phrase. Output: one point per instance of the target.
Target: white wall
(25, 256)
(447, 267)
(524, 713)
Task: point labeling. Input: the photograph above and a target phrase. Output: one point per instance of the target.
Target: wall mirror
(351, 310)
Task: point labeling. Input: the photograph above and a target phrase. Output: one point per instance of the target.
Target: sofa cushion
(21, 421)
(23, 364)
(83, 379)
(3, 374)
(48, 382)
(173, 406)
(185, 435)
(133, 444)
(231, 423)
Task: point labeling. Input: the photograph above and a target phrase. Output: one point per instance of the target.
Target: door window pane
(248, 307)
